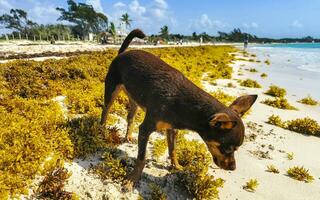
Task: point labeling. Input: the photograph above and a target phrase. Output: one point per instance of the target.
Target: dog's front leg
(145, 129)
(171, 139)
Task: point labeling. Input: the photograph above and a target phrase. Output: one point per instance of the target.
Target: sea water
(295, 67)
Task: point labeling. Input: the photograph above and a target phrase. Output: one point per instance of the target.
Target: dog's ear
(242, 104)
(222, 121)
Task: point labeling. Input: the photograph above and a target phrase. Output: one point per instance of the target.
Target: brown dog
(172, 102)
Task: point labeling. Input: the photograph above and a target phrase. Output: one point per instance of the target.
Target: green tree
(164, 32)
(112, 31)
(126, 20)
(55, 30)
(85, 18)
(17, 20)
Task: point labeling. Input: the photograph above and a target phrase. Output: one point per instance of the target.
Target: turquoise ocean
(294, 66)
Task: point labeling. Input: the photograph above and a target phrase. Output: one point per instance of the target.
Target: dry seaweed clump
(156, 192)
(251, 185)
(159, 148)
(214, 61)
(290, 156)
(280, 103)
(250, 83)
(253, 70)
(223, 97)
(275, 120)
(52, 186)
(195, 159)
(272, 169)
(276, 91)
(306, 125)
(88, 136)
(264, 75)
(308, 101)
(300, 174)
(29, 135)
(111, 167)
(267, 62)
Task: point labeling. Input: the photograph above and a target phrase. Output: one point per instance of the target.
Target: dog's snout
(232, 166)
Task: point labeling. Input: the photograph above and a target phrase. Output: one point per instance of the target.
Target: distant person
(246, 42)
(52, 41)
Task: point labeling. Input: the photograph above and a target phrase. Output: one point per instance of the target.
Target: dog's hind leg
(131, 112)
(171, 139)
(112, 88)
(145, 129)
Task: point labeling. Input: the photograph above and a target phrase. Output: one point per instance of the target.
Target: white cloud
(43, 13)
(136, 8)
(119, 5)
(296, 24)
(250, 25)
(161, 4)
(148, 16)
(96, 4)
(4, 4)
(205, 24)
(159, 10)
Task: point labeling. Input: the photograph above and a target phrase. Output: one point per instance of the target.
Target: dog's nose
(232, 166)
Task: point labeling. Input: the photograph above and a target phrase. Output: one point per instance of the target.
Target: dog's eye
(227, 150)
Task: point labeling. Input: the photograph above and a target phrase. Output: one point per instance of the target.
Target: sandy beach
(264, 145)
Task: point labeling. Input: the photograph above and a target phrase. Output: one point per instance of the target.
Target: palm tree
(164, 32)
(112, 31)
(126, 20)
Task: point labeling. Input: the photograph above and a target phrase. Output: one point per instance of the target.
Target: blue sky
(265, 18)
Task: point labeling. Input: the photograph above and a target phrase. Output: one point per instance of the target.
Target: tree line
(83, 19)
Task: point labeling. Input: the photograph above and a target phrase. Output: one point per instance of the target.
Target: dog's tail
(135, 33)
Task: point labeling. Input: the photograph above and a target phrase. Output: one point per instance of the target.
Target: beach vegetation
(300, 174)
(159, 148)
(195, 160)
(275, 120)
(231, 85)
(35, 131)
(308, 101)
(156, 192)
(290, 155)
(111, 167)
(276, 91)
(251, 185)
(250, 83)
(52, 186)
(253, 70)
(305, 125)
(267, 62)
(272, 169)
(264, 75)
(280, 103)
(223, 97)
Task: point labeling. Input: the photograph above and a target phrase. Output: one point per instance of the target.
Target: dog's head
(226, 132)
